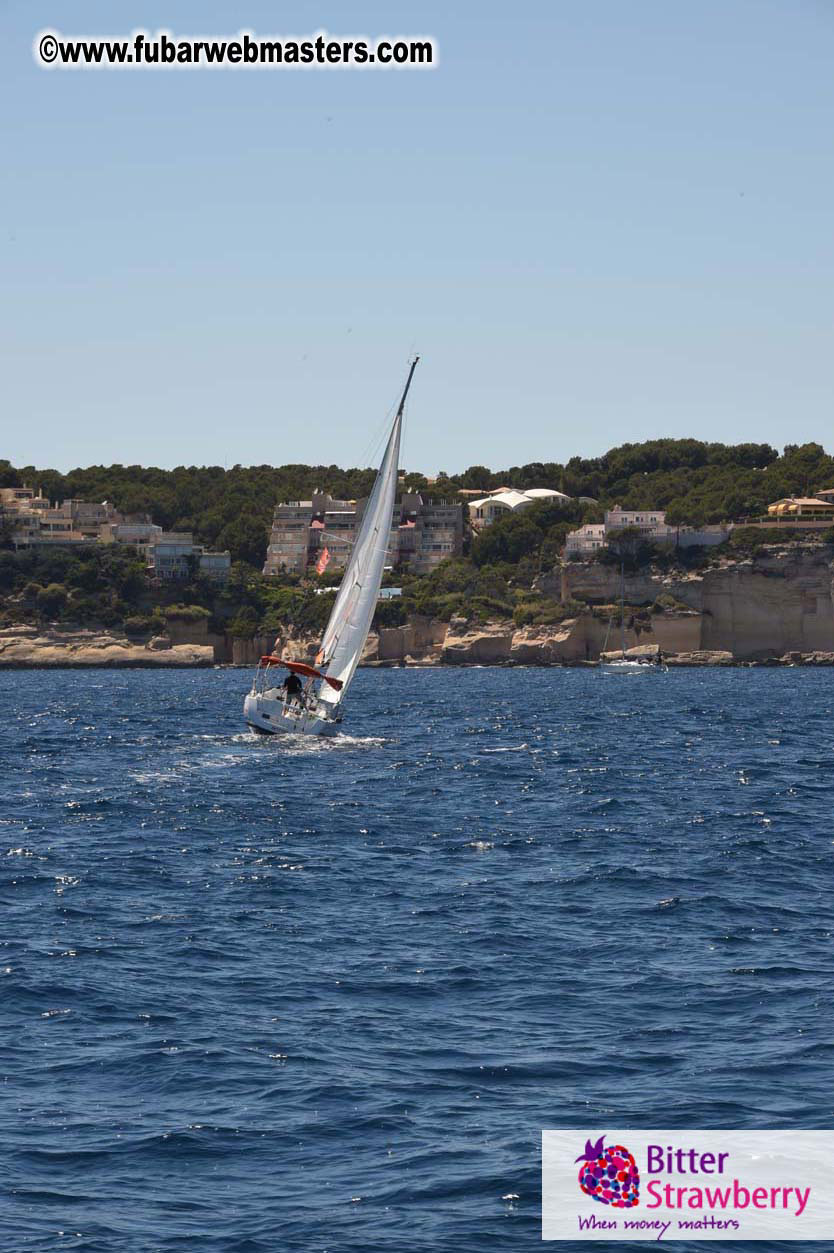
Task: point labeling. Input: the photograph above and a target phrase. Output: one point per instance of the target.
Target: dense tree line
(102, 584)
(223, 508)
(696, 482)
(108, 586)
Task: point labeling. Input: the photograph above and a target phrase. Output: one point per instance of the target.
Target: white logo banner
(687, 1185)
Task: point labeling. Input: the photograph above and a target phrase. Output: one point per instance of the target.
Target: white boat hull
(271, 715)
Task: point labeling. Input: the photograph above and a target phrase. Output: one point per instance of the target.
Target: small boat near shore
(624, 662)
(312, 702)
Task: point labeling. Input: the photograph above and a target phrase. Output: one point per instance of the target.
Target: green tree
(246, 537)
(245, 623)
(51, 600)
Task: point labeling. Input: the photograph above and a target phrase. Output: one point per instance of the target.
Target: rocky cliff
(755, 608)
(774, 607)
(23, 647)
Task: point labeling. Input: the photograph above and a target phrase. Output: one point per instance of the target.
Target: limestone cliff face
(600, 585)
(484, 644)
(24, 647)
(249, 652)
(776, 606)
(462, 642)
(675, 631)
(196, 633)
(756, 608)
(771, 606)
(420, 639)
(547, 646)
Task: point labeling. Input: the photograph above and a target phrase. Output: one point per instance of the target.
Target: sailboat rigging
(272, 708)
(623, 662)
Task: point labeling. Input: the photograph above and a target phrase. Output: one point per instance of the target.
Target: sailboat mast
(622, 607)
(407, 385)
(355, 603)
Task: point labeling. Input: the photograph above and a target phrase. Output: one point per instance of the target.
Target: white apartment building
(35, 521)
(172, 555)
(651, 523)
(652, 526)
(494, 505)
(585, 541)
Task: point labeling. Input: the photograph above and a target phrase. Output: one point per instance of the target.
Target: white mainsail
(353, 611)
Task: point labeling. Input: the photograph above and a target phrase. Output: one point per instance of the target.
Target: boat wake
(297, 744)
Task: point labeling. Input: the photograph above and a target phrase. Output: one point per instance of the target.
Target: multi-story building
(174, 557)
(19, 513)
(585, 541)
(651, 523)
(423, 533)
(20, 510)
(42, 524)
(88, 517)
(290, 542)
(57, 522)
(15, 499)
(35, 521)
(140, 535)
(214, 566)
(429, 531)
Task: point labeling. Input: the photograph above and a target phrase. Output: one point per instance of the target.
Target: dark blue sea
(290, 994)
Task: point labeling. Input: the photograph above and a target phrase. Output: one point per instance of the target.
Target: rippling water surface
(268, 994)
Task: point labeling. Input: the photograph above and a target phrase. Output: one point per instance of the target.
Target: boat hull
(270, 715)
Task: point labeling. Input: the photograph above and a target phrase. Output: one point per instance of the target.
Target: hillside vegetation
(695, 482)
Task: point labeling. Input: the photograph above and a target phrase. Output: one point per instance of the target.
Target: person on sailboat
(294, 688)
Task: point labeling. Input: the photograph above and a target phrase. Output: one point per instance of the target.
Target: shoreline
(682, 661)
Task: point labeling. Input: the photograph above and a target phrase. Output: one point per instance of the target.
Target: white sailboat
(622, 662)
(317, 709)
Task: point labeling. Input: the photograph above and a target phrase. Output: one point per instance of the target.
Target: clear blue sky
(598, 222)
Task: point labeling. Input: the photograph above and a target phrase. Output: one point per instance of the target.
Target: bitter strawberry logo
(609, 1175)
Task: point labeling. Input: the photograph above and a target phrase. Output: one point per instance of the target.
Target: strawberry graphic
(609, 1175)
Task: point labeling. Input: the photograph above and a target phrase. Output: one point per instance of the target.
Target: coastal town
(540, 564)
(317, 534)
(30, 520)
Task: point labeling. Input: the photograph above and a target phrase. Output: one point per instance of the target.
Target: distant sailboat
(268, 708)
(622, 662)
